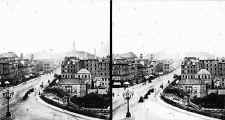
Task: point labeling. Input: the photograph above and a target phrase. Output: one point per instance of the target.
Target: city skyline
(84, 60)
(33, 26)
(173, 27)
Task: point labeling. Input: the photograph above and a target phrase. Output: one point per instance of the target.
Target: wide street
(34, 108)
(152, 108)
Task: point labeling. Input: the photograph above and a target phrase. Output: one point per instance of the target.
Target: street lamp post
(127, 95)
(0, 81)
(8, 95)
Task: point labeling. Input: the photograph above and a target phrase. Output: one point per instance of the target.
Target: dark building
(189, 68)
(9, 72)
(140, 72)
(123, 72)
(70, 65)
(98, 68)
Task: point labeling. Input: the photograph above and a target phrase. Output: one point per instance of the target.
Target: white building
(85, 75)
(75, 87)
(197, 86)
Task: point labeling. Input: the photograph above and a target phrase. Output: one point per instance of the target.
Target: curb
(65, 111)
(185, 111)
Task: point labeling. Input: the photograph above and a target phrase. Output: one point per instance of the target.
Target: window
(189, 89)
(68, 89)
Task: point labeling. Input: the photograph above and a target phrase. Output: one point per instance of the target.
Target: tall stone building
(69, 67)
(199, 75)
(13, 68)
(189, 68)
(122, 72)
(98, 68)
(71, 81)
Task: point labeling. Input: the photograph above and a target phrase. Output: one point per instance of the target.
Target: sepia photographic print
(54, 60)
(112, 60)
(168, 60)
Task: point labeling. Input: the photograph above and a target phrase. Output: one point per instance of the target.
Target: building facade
(123, 72)
(189, 68)
(74, 87)
(99, 68)
(204, 73)
(87, 70)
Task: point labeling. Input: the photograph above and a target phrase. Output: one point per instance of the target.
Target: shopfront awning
(126, 83)
(116, 83)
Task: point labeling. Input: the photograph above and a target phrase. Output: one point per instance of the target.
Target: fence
(96, 110)
(194, 105)
(203, 111)
(71, 108)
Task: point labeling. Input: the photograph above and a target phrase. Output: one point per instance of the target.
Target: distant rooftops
(8, 54)
(190, 61)
(194, 60)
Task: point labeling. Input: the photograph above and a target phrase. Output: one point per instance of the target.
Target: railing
(96, 110)
(216, 113)
(71, 108)
(194, 106)
(222, 111)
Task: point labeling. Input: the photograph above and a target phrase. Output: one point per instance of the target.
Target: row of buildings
(200, 76)
(137, 69)
(15, 68)
(82, 76)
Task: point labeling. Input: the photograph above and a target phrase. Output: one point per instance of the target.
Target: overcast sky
(174, 26)
(139, 26)
(34, 25)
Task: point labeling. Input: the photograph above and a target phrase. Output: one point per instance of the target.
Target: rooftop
(83, 71)
(8, 54)
(203, 71)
